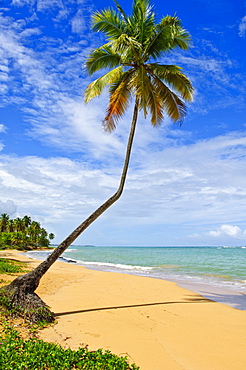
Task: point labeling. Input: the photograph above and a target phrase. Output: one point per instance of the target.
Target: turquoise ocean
(217, 273)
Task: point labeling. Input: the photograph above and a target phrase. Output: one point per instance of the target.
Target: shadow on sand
(188, 300)
(237, 301)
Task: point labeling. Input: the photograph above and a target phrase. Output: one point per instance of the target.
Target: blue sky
(186, 185)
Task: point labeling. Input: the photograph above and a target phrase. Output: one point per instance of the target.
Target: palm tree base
(19, 297)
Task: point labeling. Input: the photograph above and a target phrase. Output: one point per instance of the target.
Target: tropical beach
(157, 324)
(179, 306)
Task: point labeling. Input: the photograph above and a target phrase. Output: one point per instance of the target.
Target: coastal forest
(23, 233)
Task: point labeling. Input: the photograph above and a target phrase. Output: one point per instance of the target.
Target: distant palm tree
(51, 236)
(19, 224)
(26, 220)
(134, 44)
(4, 220)
(19, 239)
(11, 226)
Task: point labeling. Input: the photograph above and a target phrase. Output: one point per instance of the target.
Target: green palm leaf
(109, 22)
(172, 75)
(102, 58)
(142, 20)
(97, 86)
(155, 106)
(168, 35)
(171, 103)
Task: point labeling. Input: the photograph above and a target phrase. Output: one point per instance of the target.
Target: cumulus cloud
(228, 230)
(8, 207)
(184, 187)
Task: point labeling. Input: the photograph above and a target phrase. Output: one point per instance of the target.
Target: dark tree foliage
(22, 233)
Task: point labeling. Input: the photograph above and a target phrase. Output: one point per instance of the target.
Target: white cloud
(78, 23)
(51, 90)
(184, 187)
(242, 27)
(29, 32)
(22, 2)
(228, 230)
(2, 128)
(7, 207)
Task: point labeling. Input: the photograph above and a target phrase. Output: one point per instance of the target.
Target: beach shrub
(35, 354)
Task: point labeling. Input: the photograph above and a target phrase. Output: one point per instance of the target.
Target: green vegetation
(22, 233)
(11, 267)
(35, 354)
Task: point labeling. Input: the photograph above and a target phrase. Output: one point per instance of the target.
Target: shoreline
(232, 297)
(156, 323)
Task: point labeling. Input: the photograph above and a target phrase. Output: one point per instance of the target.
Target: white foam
(116, 265)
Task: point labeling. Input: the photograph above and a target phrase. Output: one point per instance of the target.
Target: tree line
(22, 233)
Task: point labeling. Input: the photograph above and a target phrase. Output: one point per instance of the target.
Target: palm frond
(172, 75)
(109, 22)
(155, 107)
(102, 58)
(97, 86)
(168, 35)
(128, 47)
(142, 20)
(121, 11)
(120, 95)
(182, 39)
(171, 103)
(140, 84)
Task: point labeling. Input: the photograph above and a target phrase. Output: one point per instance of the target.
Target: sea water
(218, 273)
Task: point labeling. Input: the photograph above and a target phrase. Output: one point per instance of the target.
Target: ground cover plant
(11, 267)
(35, 354)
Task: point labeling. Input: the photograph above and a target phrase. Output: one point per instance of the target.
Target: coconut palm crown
(134, 43)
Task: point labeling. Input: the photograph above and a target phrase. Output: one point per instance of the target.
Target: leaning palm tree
(129, 58)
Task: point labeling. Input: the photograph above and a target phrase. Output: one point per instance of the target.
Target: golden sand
(157, 324)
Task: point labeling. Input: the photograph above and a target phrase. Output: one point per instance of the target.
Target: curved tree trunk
(20, 293)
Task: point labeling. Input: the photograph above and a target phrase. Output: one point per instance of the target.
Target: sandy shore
(159, 325)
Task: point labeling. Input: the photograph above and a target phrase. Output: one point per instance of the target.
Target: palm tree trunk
(21, 290)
